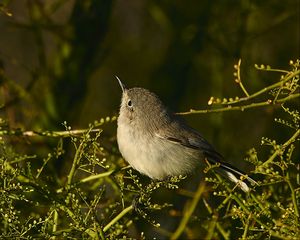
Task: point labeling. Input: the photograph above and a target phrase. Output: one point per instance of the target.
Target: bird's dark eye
(129, 103)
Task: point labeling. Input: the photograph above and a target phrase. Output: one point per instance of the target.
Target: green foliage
(97, 197)
(57, 62)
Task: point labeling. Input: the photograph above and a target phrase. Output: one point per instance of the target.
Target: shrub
(99, 197)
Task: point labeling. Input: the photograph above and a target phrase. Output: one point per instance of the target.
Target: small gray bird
(159, 144)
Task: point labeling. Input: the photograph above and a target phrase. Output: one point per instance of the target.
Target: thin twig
(76, 160)
(211, 229)
(238, 80)
(117, 218)
(244, 237)
(222, 231)
(60, 133)
(93, 177)
(188, 213)
(243, 107)
(278, 151)
(288, 77)
(55, 222)
(294, 198)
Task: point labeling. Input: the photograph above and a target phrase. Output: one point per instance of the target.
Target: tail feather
(235, 175)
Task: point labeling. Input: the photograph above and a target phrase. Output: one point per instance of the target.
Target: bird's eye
(129, 103)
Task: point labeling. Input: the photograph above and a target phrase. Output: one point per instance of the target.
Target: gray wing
(178, 132)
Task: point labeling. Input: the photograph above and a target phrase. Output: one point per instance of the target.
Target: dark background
(58, 60)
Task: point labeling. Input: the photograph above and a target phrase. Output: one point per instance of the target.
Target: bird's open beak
(121, 84)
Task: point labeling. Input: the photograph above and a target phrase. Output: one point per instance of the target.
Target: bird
(160, 144)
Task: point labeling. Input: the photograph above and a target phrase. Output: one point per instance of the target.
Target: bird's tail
(238, 177)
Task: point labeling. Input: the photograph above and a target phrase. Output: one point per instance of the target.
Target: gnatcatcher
(159, 144)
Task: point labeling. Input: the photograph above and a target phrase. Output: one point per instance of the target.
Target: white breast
(154, 157)
(138, 152)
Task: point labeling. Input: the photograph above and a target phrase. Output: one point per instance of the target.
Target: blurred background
(59, 58)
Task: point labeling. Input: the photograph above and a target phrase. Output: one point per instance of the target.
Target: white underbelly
(153, 156)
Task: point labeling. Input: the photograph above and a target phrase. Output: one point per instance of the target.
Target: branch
(277, 84)
(188, 213)
(117, 218)
(243, 107)
(65, 133)
(278, 151)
